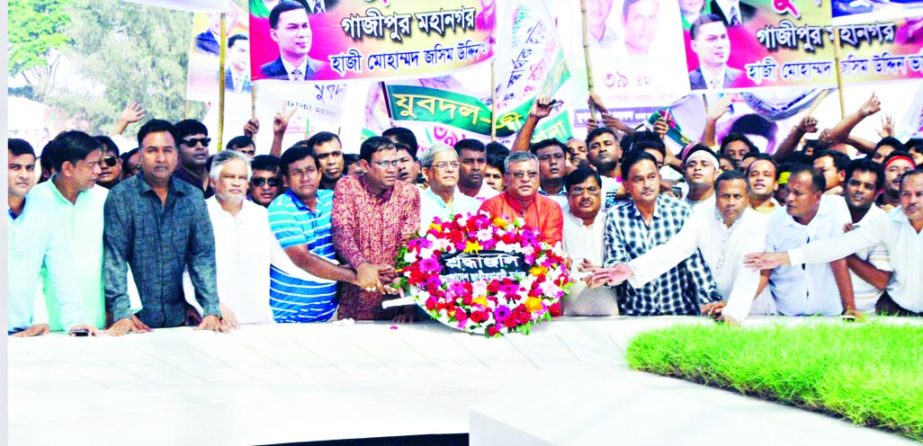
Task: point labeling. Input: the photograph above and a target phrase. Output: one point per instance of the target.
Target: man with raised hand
(900, 230)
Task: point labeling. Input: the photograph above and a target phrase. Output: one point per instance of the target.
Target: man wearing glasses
(521, 199)
(442, 199)
(110, 166)
(193, 155)
(265, 183)
(373, 217)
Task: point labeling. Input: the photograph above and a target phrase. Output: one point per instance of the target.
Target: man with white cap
(723, 233)
(700, 168)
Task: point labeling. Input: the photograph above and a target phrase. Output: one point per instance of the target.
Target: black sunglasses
(259, 182)
(191, 142)
(109, 161)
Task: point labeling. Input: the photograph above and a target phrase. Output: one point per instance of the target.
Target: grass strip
(871, 374)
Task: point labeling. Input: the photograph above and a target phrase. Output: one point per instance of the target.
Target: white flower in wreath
(505, 247)
(549, 289)
(410, 257)
(426, 253)
(527, 250)
(479, 288)
(439, 244)
(485, 235)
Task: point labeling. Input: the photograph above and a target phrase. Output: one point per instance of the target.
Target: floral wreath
(492, 307)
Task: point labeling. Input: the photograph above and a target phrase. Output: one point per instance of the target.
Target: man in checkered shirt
(636, 226)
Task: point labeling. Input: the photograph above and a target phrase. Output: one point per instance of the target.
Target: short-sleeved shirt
(294, 299)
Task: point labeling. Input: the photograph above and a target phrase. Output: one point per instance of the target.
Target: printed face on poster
(202, 81)
(318, 40)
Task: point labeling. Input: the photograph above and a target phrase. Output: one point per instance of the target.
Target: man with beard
(329, 153)
(895, 166)
(604, 153)
(472, 156)
(723, 233)
(635, 227)
(900, 230)
(763, 176)
(701, 170)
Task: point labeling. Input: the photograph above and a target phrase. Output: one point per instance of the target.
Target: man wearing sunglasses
(265, 183)
(110, 166)
(193, 155)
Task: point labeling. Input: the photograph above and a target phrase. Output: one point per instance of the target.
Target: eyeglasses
(191, 142)
(386, 164)
(578, 191)
(520, 175)
(259, 182)
(109, 161)
(443, 164)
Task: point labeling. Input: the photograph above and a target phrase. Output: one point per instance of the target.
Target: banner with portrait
(761, 43)
(329, 40)
(202, 75)
(881, 50)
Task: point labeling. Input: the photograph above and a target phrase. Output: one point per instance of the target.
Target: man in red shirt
(521, 198)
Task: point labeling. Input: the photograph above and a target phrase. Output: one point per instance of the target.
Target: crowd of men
(172, 234)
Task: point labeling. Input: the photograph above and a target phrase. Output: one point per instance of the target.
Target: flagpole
(839, 71)
(586, 53)
(221, 55)
(493, 99)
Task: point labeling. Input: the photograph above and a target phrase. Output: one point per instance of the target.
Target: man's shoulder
(546, 204)
(125, 188)
(274, 68)
(731, 74)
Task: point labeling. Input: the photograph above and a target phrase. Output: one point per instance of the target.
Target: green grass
(871, 374)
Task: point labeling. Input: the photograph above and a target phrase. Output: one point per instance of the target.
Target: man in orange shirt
(521, 198)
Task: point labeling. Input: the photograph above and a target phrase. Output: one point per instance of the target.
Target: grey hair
(222, 158)
(518, 157)
(426, 160)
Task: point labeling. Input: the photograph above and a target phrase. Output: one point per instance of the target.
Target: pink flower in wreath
(419, 243)
(501, 313)
(509, 288)
(430, 266)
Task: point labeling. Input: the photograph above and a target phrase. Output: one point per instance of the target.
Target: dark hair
(730, 175)
(635, 157)
(265, 162)
(321, 138)
(765, 157)
(235, 38)
(817, 178)
(239, 142)
(914, 144)
(704, 19)
(406, 137)
(497, 161)
(840, 159)
(866, 165)
(73, 146)
(108, 144)
(699, 148)
(815, 144)
(729, 160)
(373, 145)
(156, 126)
(126, 156)
(579, 175)
(733, 137)
(643, 140)
(600, 131)
(294, 155)
(914, 172)
(348, 160)
(890, 141)
(46, 159)
(546, 143)
(302, 143)
(496, 149)
(18, 147)
(188, 127)
(283, 6)
(469, 144)
(896, 154)
(754, 124)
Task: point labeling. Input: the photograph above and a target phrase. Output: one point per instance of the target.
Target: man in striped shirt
(300, 220)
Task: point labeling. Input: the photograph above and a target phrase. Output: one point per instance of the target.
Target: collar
(720, 76)
(289, 67)
(661, 202)
(511, 202)
(384, 196)
(173, 187)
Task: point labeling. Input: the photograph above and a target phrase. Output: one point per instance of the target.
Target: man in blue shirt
(33, 243)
